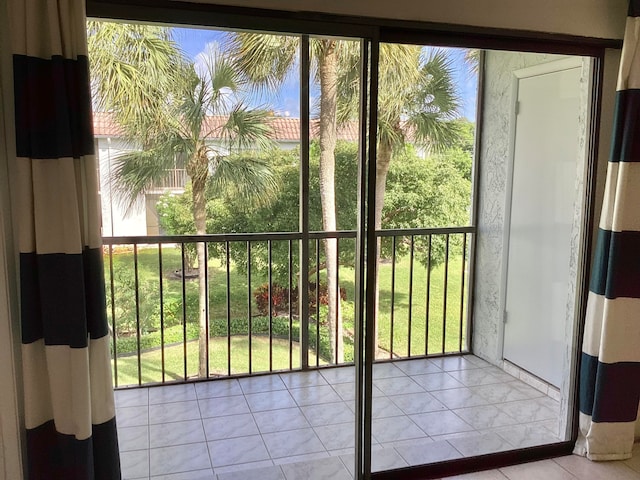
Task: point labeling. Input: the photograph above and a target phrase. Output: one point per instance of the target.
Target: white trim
(548, 67)
(528, 72)
(568, 390)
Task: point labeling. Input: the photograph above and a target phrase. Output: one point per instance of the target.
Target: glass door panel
(444, 387)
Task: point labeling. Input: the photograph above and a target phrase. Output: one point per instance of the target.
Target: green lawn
(408, 316)
(417, 310)
(151, 361)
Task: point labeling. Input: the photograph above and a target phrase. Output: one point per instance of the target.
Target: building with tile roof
(142, 218)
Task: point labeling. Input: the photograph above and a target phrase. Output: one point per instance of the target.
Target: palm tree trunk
(198, 184)
(383, 162)
(328, 64)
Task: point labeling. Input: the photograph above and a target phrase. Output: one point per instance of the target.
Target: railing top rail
(396, 232)
(266, 236)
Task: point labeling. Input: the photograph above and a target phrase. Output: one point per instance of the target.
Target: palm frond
(134, 70)
(136, 171)
(244, 177)
(264, 59)
(193, 109)
(348, 81)
(221, 79)
(435, 102)
(247, 129)
(472, 59)
(417, 96)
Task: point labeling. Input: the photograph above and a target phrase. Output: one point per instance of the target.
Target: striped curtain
(610, 371)
(68, 394)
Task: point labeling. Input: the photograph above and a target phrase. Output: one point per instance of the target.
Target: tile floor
(570, 467)
(299, 425)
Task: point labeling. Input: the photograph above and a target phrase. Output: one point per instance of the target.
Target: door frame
(398, 31)
(569, 380)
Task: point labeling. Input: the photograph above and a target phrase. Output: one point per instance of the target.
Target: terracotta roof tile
(285, 129)
(104, 125)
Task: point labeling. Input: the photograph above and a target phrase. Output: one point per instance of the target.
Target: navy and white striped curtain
(68, 395)
(610, 371)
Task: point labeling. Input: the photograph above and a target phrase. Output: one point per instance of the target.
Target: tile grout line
(204, 432)
(258, 428)
(148, 433)
(383, 395)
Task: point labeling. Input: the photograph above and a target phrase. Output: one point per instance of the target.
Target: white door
(545, 154)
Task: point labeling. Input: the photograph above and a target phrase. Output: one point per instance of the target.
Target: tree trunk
(383, 162)
(328, 64)
(198, 174)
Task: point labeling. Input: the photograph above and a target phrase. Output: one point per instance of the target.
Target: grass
(444, 333)
(151, 361)
(409, 311)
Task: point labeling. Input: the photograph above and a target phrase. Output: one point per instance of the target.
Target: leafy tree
(460, 153)
(417, 102)
(421, 192)
(170, 117)
(267, 60)
(226, 213)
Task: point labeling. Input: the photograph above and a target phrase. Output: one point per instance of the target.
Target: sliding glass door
(354, 252)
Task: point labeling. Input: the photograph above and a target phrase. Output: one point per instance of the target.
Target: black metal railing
(256, 314)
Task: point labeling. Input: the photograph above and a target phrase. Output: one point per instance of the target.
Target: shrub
(280, 297)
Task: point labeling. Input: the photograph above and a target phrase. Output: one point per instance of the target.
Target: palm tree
(188, 110)
(267, 60)
(134, 71)
(416, 101)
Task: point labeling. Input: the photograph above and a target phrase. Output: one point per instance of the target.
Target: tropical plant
(416, 103)
(196, 115)
(134, 72)
(267, 61)
(420, 192)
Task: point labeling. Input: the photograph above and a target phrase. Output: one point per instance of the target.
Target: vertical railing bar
(270, 291)
(444, 294)
(137, 297)
(290, 307)
(303, 281)
(393, 291)
(410, 313)
(249, 305)
(206, 305)
(113, 317)
(228, 299)
(184, 309)
(317, 302)
(161, 285)
(428, 300)
(337, 294)
(462, 280)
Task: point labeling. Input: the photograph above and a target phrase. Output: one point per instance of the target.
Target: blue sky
(286, 101)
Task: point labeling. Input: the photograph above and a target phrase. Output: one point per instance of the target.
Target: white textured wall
(589, 18)
(116, 220)
(494, 160)
(492, 188)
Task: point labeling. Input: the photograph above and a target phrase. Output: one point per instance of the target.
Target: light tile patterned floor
(299, 426)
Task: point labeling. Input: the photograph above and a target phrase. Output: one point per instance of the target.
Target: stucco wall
(492, 188)
(494, 161)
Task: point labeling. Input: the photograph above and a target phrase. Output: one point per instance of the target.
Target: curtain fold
(68, 395)
(610, 368)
